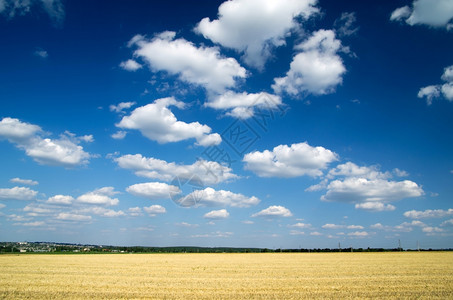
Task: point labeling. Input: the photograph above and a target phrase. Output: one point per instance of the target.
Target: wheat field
(228, 276)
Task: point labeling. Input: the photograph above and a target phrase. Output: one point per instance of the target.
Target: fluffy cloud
(429, 213)
(358, 234)
(357, 189)
(160, 169)
(72, 217)
(435, 91)
(366, 186)
(317, 69)
(100, 196)
(435, 13)
(130, 65)
(120, 107)
(157, 122)
(60, 200)
(254, 27)
(17, 193)
(64, 151)
(153, 210)
(23, 181)
(203, 66)
(375, 206)
(211, 197)
(290, 161)
(54, 8)
(300, 225)
(242, 105)
(153, 190)
(274, 211)
(217, 214)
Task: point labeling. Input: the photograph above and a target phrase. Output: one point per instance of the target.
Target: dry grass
(220, 276)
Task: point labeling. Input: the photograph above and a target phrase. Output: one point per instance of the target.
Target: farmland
(220, 276)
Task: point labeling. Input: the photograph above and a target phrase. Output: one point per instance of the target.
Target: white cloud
(2, 205)
(332, 226)
(160, 169)
(358, 234)
(300, 225)
(217, 214)
(157, 122)
(203, 66)
(354, 227)
(211, 197)
(153, 210)
(23, 181)
(54, 8)
(248, 222)
(400, 173)
(345, 25)
(434, 13)
(356, 189)
(435, 91)
(41, 53)
(135, 211)
(64, 151)
(17, 193)
(100, 196)
(375, 206)
(119, 135)
(315, 233)
(72, 217)
(317, 69)
(32, 224)
(432, 229)
(429, 213)
(60, 200)
(350, 169)
(120, 107)
(242, 105)
(447, 223)
(290, 161)
(274, 211)
(102, 211)
(153, 190)
(130, 65)
(296, 232)
(255, 27)
(188, 225)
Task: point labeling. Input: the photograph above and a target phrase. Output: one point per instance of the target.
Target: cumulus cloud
(358, 234)
(17, 193)
(435, 91)
(54, 8)
(211, 197)
(357, 189)
(429, 213)
(290, 161)
(157, 122)
(375, 206)
(217, 214)
(154, 210)
(72, 217)
(119, 135)
(23, 181)
(102, 196)
(202, 66)
(64, 151)
(242, 105)
(255, 27)
(130, 65)
(433, 13)
(60, 200)
(153, 190)
(160, 169)
(274, 211)
(300, 225)
(317, 69)
(366, 186)
(120, 107)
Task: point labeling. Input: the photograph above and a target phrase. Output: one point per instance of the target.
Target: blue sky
(295, 123)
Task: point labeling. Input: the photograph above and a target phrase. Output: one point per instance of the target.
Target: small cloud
(274, 211)
(217, 214)
(358, 234)
(153, 210)
(23, 181)
(188, 225)
(356, 101)
(315, 233)
(119, 135)
(296, 232)
(400, 173)
(130, 65)
(41, 53)
(120, 107)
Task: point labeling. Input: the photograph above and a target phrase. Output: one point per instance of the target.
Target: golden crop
(221, 276)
